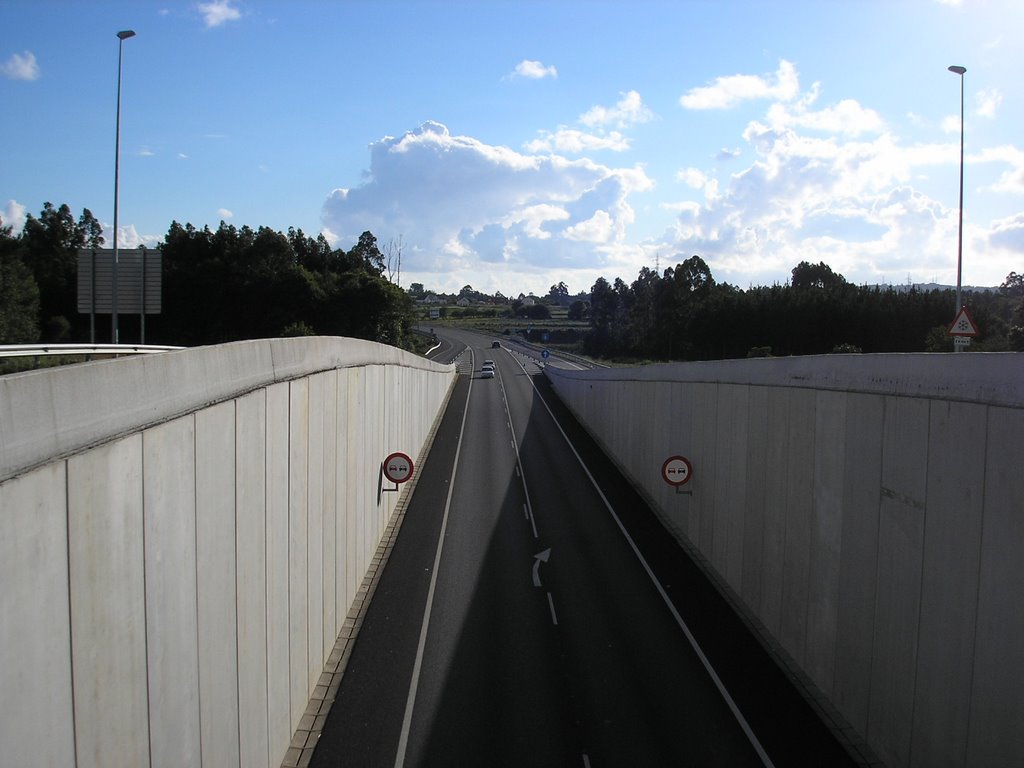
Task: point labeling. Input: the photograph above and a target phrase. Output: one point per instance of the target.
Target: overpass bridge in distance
(184, 534)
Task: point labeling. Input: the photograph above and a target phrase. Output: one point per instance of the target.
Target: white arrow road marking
(540, 557)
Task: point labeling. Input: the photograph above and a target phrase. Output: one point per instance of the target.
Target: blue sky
(513, 145)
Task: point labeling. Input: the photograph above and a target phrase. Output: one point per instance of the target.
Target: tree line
(684, 314)
(239, 283)
(218, 285)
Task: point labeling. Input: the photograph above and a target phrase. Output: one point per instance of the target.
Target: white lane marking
(519, 463)
(414, 683)
(551, 604)
(586, 760)
(744, 725)
(540, 557)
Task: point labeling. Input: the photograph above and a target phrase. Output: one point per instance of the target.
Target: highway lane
(515, 624)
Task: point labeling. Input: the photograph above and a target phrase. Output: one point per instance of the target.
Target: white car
(486, 373)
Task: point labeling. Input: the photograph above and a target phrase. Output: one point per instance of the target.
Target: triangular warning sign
(963, 325)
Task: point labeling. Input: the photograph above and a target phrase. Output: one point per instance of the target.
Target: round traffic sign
(398, 468)
(545, 354)
(677, 470)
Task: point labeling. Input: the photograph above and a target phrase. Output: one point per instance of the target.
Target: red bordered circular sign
(677, 470)
(398, 468)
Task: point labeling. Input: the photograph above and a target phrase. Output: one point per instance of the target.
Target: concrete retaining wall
(172, 584)
(867, 510)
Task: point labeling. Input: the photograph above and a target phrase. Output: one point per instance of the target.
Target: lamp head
(125, 34)
(957, 70)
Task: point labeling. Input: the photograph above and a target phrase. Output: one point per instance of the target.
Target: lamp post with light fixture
(958, 70)
(121, 37)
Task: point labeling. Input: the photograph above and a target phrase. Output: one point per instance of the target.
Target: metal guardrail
(41, 350)
(586, 362)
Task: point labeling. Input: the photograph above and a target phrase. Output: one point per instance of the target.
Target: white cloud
(729, 91)
(224, 213)
(1008, 235)
(575, 142)
(128, 237)
(218, 12)
(21, 66)
(628, 111)
(477, 213)
(847, 116)
(13, 216)
(844, 201)
(988, 102)
(533, 70)
(1011, 180)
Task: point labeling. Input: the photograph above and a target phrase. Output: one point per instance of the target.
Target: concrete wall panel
(315, 531)
(731, 460)
(949, 593)
(169, 514)
(997, 704)
(279, 715)
(343, 593)
(331, 625)
(251, 576)
(858, 559)
(880, 500)
(298, 516)
(108, 605)
(705, 431)
(797, 502)
(355, 488)
(36, 725)
(191, 574)
(898, 597)
(755, 483)
(216, 505)
(778, 423)
(826, 536)
(679, 440)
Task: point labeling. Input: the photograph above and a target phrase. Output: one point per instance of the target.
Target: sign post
(677, 471)
(962, 330)
(397, 468)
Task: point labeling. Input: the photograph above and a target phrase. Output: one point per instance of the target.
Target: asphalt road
(533, 612)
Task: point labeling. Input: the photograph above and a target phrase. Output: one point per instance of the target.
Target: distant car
(487, 373)
(488, 362)
(495, 345)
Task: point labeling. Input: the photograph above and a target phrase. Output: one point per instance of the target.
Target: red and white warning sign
(677, 470)
(398, 468)
(963, 325)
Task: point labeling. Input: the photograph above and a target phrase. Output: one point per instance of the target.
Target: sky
(511, 146)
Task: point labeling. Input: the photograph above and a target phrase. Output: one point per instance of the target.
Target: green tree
(369, 254)
(807, 275)
(51, 251)
(579, 310)
(1013, 289)
(19, 294)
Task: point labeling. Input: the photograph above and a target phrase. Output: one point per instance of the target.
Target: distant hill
(905, 287)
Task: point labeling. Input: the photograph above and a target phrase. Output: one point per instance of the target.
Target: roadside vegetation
(239, 283)
(218, 285)
(684, 314)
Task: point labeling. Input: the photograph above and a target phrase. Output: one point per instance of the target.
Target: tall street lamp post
(957, 70)
(121, 37)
